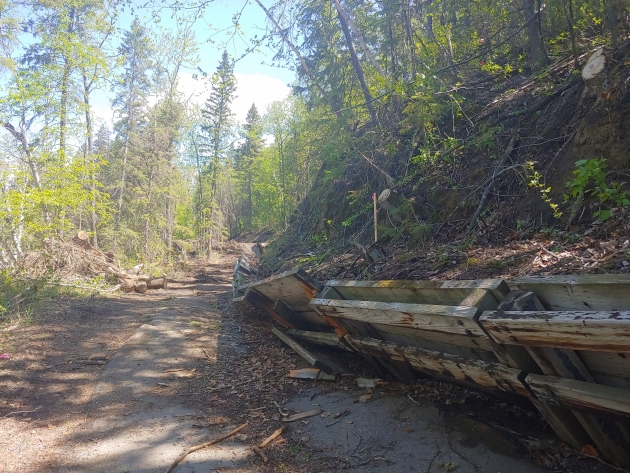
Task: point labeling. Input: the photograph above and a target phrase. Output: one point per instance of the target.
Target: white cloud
(259, 89)
(255, 88)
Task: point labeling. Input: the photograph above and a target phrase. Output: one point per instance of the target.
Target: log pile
(132, 280)
(76, 260)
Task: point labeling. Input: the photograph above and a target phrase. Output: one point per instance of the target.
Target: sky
(257, 81)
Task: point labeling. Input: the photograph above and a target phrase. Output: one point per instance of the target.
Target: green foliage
(545, 191)
(487, 138)
(591, 178)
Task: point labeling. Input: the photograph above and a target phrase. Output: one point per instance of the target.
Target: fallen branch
(272, 437)
(21, 412)
(204, 445)
(261, 454)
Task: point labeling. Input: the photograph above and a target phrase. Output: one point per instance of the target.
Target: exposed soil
(184, 365)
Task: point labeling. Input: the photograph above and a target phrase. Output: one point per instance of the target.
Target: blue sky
(258, 81)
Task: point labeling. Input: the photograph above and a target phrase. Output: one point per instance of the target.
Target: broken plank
(320, 338)
(578, 330)
(437, 318)
(301, 415)
(303, 352)
(311, 373)
(494, 376)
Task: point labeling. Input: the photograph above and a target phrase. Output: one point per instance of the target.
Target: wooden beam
(584, 292)
(573, 394)
(494, 376)
(498, 287)
(562, 421)
(446, 319)
(454, 293)
(303, 352)
(578, 330)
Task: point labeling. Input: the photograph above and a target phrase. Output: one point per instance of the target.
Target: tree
(217, 126)
(247, 152)
(130, 99)
(217, 117)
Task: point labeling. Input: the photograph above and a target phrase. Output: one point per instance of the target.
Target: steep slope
(542, 156)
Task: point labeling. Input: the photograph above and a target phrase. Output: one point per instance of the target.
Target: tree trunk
(369, 100)
(90, 158)
(612, 12)
(535, 43)
(295, 50)
(568, 12)
(359, 36)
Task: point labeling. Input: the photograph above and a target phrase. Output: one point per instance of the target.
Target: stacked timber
(562, 342)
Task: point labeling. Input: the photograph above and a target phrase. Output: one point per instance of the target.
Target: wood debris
(311, 373)
(272, 437)
(302, 415)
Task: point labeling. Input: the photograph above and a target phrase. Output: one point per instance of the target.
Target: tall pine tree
(217, 117)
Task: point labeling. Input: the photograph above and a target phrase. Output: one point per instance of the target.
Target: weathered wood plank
(610, 369)
(494, 376)
(563, 421)
(436, 318)
(463, 345)
(285, 284)
(511, 355)
(454, 293)
(319, 338)
(580, 395)
(583, 292)
(578, 330)
(498, 287)
(303, 352)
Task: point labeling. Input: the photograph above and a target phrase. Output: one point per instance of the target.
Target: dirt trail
(186, 365)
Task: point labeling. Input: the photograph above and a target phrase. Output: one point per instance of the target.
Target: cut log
(157, 283)
(141, 287)
(81, 239)
(127, 285)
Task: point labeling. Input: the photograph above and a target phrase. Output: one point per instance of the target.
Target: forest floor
(128, 382)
